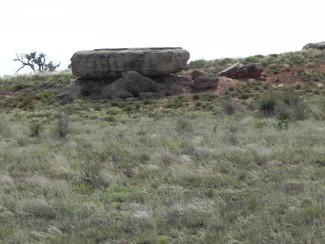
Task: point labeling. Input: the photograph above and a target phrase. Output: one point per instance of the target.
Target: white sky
(208, 29)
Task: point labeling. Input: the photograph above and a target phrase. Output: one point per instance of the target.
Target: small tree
(36, 61)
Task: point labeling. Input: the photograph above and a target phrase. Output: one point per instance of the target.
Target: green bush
(228, 106)
(283, 124)
(91, 174)
(35, 128)
(183, 124)
(300, 110)
(267, 104)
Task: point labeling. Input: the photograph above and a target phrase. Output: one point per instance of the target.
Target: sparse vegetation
(205, 168)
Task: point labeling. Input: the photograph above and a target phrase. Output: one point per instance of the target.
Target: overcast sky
(208, 29)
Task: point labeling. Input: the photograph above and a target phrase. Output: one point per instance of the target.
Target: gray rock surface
(318, 45)
(204, 82)
(131, 84)
(101, 63)
(243, 71)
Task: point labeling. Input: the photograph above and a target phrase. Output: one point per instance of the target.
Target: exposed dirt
(290, 75)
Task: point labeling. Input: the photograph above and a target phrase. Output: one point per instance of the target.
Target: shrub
(91, 174)
(283, 111)
(290, 98)
(300, 110)
(228, 106)
(183, 124)
(35, 128)
(267, 104)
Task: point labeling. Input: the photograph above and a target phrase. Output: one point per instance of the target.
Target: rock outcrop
(101, 63)
(128, 72)
(203, 81)
(318, 45)
(241, 71)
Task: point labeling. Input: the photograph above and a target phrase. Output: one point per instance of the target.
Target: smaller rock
(130, 85)
(230, 70)
(196, 74)
(317, 45)
(204, 82)
(241, 71)
(173, 84)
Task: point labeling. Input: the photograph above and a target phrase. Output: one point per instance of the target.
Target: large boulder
(101, 63)
(318, 45)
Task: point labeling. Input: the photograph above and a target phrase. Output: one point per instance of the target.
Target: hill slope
(244, 164)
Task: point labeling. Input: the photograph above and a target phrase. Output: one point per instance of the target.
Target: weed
(283, 124)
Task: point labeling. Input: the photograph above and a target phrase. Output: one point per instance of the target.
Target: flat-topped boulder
(109, 63)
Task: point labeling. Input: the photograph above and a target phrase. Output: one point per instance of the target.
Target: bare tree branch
(24, 63)
(33, 59)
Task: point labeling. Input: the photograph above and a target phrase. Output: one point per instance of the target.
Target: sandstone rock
(318, 45)
(241, 71)
(205, 82)
(113, 62)
(173, 84)
(83, 87)
(130, 85)
(230, 70)
(196, 74)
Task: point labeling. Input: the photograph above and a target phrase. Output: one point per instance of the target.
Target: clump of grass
(300, 110)
(178, 102)
(35, 207)
(267, 104)
(183, 125)
(228, 106)
(319, 110)
(62, 129)
(91, 174)
(292, 107)
(36, 128)
(4, 129)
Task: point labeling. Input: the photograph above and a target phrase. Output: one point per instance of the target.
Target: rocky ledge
(111, 63)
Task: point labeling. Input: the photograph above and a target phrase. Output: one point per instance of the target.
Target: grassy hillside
(244, 165)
